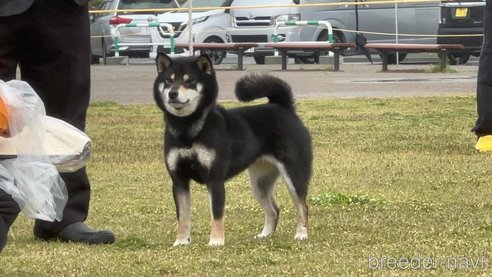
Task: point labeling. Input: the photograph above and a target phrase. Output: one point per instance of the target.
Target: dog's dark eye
(168, 82)
(190, 83)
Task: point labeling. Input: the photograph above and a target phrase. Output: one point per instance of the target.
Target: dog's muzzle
(174, 101)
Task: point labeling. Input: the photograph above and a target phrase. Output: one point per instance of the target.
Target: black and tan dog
(209, 144)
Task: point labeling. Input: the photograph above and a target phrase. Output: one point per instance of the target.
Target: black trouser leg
(8, 213)
(51, 44)
(63, 58)
(77, 206)
(484, 96)
(484, 79)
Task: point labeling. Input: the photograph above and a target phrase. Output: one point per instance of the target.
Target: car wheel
(457, 59)
(259, 59)
(337, 38)
(392, 57)
(215, 56)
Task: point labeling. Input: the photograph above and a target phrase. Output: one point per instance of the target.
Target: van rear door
(462, 23)
(463, 14)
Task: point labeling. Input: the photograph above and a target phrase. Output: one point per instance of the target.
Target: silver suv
(103, 27)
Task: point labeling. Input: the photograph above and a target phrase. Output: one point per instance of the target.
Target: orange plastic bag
(4, 117)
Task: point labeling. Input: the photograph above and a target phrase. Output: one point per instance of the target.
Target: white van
(421, 18)
(257, 24)
(207, 25)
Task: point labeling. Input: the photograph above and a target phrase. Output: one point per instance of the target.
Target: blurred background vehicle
(103, 26)
(257, 25)
(208, 25)
(383, 21)
(462, 18)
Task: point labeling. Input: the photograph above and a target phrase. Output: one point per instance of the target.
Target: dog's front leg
(182, 200)
(216, 194)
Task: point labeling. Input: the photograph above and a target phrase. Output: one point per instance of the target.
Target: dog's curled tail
(256, 86)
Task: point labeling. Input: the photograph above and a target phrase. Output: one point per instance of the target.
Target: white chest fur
(205, 156)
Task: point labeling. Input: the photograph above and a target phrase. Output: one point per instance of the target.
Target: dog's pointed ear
(205, 64)
(162, 61)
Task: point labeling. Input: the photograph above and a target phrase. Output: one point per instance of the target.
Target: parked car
(462, 18)
(377, 19)
(207, 26)
(258, 24)
(103, 26)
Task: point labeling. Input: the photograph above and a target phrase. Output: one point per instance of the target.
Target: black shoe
(76, 232)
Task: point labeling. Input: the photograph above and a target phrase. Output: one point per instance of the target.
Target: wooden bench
(386, 48)
(284, 47)
(240, 48)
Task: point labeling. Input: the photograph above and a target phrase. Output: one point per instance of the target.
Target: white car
(103, 26)
(207, 26)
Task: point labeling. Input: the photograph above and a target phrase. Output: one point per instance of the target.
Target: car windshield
(204, 3)
(146, 4)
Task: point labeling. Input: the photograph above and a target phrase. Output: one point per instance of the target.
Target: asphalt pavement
(132, 83)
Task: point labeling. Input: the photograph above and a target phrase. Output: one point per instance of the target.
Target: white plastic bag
(30, 177)
(35, 186)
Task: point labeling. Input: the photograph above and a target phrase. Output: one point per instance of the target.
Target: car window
(227, 3)
(204, 3)
(104, 6)
(146, 4)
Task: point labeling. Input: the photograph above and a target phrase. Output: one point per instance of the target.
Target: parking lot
(132, 84)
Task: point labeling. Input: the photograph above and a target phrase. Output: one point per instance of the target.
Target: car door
(98, 28)
(402, 22)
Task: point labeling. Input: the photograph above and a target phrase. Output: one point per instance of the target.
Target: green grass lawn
(393, 179)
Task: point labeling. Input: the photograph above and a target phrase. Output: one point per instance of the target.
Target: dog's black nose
(173, 94)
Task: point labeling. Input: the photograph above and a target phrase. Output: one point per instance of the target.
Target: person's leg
(484, 96)
(54, 59)
(483, 126)
(10, 27)
(8, 213)
(76, 209)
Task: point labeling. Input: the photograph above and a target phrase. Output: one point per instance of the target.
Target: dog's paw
(179, 242)
(216, 242)
(301, 236)
(301, 233)
(263, 235)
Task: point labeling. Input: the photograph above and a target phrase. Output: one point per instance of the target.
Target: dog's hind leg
(296, 174)
(216, 193)
(302, 214)
(182, 200)
(297, 184)
(262, 177)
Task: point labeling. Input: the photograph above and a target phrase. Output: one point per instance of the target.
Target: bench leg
(284, 60)
(240, 59)
(337, 59)
(443, 62)
(384, 55)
